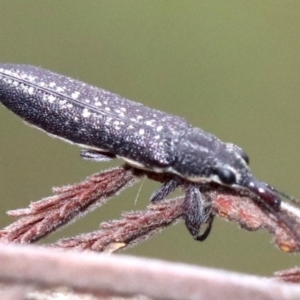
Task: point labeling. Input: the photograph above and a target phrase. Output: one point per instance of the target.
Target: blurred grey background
(230, 67)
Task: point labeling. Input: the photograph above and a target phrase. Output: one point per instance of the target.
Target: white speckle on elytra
(157, 137)
(139, 117)
(107, 121)
(8, 72)
(59, 89)
(51, 98)
(24, 87)
(69, 105)
(149, 122)
(141, 131)
(159, 128)
(52, 84)
(98, 103)
(86, 113)
(261, 190)
(62, 102)
(31, 78)
(42, 84)
(31, 90)
(75, 95)
(107, 108)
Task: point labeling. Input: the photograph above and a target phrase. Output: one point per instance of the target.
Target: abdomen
(90, 116)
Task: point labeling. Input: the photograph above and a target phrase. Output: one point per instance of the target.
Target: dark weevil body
(111, 126)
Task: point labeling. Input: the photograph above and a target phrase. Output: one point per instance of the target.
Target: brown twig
(240, 206)
(133, 228)
(129, 276)
(68, 203)
(137, 226)
(290, 275)
(71, 202)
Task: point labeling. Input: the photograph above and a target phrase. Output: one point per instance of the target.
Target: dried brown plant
(20, 273)
(71, 202)
(68, 203)
(290, 275)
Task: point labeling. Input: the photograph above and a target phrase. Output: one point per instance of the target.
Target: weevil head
(232, 169)
(206, 158)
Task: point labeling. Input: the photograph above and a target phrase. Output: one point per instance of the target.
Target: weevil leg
(167, 188)
(197, 212)
(96, 155)
(201, 237)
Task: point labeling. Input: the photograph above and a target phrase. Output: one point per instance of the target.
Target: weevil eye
(225, 175)
(239, 151)
(244, 156)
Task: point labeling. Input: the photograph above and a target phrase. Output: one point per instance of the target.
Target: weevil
(108, 126)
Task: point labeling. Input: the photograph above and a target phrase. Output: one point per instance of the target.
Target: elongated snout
(264, 193)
